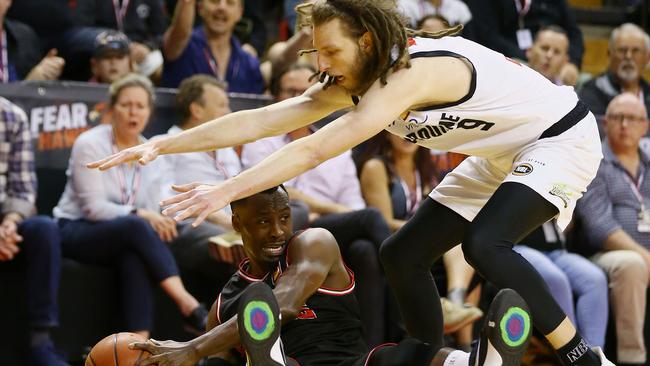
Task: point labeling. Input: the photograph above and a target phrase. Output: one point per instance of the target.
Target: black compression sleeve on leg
(512, 213)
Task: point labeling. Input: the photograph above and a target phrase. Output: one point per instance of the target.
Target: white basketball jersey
(508, 106)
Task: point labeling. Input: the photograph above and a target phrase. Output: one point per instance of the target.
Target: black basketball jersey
(326, 332)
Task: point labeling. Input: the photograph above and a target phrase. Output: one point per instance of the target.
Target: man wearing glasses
(615, 212)
(629, 53)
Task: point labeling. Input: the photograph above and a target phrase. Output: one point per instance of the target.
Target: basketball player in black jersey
(319, 314)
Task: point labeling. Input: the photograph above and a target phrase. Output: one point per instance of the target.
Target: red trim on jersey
(376, 348)
(327, 290)
(248, 277)
(219, 308)
(336, 291)
(294, 360)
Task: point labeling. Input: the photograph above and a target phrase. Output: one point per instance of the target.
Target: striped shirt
(610, 202)
(17, 172)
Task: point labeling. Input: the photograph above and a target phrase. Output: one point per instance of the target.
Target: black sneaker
(196, 322)
(506, 332)
(259, 321)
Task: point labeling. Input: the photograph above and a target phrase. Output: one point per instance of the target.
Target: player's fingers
(148, 157)
(145, 346)
(185, 187)
(206, 211)
(98, 163)
(186, 214)
(183, 197)
(175, 210)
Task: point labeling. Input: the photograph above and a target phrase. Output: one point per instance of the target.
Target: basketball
(114, 351)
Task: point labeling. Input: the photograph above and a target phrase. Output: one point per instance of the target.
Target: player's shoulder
(313, 241)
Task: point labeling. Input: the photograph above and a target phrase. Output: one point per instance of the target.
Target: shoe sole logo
(515, 326)
(259, 320)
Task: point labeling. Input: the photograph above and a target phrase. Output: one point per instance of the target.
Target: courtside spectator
(616, 222)
(143, 21)
(454, 11)
(433, 23)
(209, 48)
(114, 219)
(510, 27)
(201, 98)
(31, 240)
(629, 53)
(549, 56)
(23, 53)
(111, 59)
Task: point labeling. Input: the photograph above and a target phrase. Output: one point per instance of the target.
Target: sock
(578, 353)
(38, 337)
(457, 358)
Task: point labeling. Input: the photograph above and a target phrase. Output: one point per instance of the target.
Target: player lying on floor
(315, 306)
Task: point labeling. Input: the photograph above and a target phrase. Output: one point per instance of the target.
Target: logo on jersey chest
(446, 123)
(306, 313)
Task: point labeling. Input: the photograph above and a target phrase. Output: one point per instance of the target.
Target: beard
(627, 71)
(365, 74)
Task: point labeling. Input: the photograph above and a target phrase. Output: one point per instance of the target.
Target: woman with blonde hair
(113, 219)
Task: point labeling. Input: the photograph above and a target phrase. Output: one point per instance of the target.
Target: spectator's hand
(49, 68)
(167, 353)
(569, 74)
(138, 52)
(197, 200)
(250, 50)
(9, 239)
(143, 153)
(164, 226)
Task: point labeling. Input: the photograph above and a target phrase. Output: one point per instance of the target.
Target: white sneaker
(603, 360)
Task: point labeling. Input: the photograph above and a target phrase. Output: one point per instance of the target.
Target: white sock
(457, 358)
(492, 358)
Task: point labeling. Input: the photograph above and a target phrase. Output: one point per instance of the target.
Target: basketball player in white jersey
(534, 149)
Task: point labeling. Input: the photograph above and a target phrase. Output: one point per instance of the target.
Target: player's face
(264, 223)
(628, 56)
(626, 123)
(549, 53)
(340, 55)
(131, 111)
(112, 68)
(215, 103)
(220, 16)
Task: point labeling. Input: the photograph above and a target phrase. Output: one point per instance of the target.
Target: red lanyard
(636, 188)
(212, 63)
(218, 164)
(129, 190)
(120, 12)
(523, 6)
(4, 61)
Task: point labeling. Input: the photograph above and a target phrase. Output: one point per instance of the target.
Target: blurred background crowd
(84, 254)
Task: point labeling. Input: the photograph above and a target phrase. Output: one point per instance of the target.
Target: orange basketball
(114, 351)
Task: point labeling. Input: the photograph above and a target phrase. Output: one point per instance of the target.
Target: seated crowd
(598, 271)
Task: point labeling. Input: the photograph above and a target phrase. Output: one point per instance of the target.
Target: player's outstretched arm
(238, 128)
(379, 106)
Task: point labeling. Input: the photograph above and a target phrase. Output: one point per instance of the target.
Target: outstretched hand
(196, 200)
(167, 353)
(143, 153)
